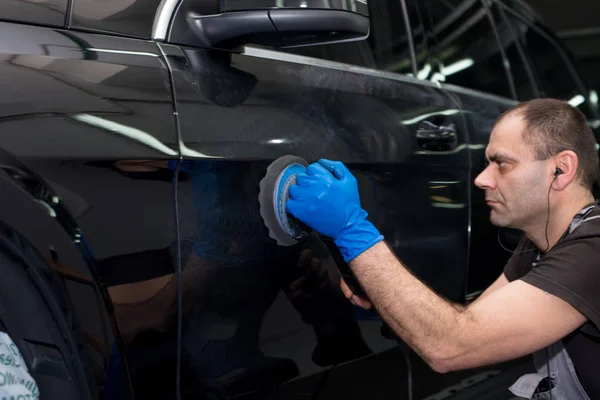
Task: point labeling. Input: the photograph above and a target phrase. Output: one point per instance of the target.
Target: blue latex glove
(326, 199)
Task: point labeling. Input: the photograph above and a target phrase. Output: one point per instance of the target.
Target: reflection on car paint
(234, 273)
(92, 132)
(261, 315)
(129, 17)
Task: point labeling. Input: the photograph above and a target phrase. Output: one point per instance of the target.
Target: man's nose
(485, 179)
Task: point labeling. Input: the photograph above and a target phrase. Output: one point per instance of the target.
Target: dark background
(577, 23)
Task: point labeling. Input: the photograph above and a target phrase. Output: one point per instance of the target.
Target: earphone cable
(548, 216)
(546, 230)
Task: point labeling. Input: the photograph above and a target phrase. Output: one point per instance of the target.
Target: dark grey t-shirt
(570, 271)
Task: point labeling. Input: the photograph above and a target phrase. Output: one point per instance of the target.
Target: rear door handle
(434, 137)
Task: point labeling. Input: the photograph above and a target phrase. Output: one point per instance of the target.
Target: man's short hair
(552, 126)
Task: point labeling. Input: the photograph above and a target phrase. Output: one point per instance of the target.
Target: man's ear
(567, 162)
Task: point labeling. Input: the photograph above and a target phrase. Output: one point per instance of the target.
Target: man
(542, 164)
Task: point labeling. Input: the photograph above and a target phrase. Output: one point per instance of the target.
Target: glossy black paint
(125, 17)
(355, 6)
(250, 297)
(49, 12)
(89, 153)
(30, 205)
(83, 117)
(276, 28)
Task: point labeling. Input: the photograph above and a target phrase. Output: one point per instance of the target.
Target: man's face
(515, 184)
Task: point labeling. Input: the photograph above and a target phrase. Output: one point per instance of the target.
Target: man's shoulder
(580, 245)
(585, 228)
(571, 270)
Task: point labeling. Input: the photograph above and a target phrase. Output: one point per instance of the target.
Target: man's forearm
(424, 320)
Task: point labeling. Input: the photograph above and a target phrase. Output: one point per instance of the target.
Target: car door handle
(434, 137)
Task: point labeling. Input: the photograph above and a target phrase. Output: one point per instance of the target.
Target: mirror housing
(302, 24)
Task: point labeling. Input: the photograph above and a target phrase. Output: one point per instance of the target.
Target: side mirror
(277, 25)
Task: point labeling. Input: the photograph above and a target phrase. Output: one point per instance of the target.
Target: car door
(498, 57)
(87, 130)
(465, 57)
(267, 321)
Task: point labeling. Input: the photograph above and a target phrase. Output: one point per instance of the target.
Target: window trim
(561, 52)
(522, 56)
(505, 60)
(162, 19)
(409, 36)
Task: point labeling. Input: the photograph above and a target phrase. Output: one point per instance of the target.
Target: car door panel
(256, 316)
(487, 256)
(87, 121)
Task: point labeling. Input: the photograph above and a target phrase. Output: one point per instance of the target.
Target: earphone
(558, 171)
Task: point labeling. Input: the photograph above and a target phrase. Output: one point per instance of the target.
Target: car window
(463, 48)
(389, 39)
(521, 72)
(387, 47)
(553, 71)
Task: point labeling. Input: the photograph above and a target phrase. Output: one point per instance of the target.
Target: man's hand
(354, 298)
(326, 199)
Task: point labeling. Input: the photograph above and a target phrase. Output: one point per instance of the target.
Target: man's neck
(560, 219)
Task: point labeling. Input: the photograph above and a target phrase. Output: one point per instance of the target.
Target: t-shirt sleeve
(571, 271)
(515, 268)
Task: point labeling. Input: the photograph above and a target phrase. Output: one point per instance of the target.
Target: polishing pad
(273, 196)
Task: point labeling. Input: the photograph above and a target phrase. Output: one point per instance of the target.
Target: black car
(134, 135)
